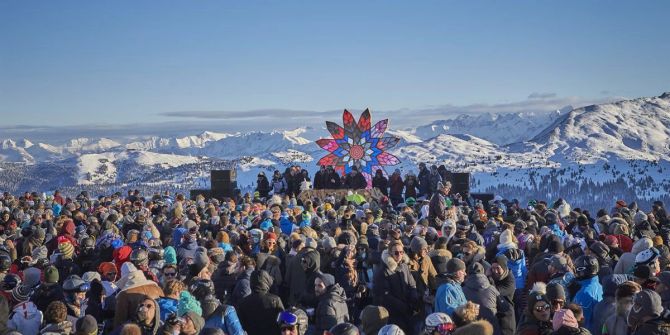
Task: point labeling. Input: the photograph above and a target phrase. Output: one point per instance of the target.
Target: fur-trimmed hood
(390, 263)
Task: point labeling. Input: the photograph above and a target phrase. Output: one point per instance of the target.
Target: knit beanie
(188, 303)
(417, 244)
(51, 274)
(170, 255)
(87, 325)
(599, 249)
(555, 291)
(646, 305)
(66, 249)
(326, 278)
(31, 277)
(454, 265)
(502, 260)
(198, 321)
(373, 318)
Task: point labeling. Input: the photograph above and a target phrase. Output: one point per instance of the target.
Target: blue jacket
(556, 229)
(167, 306)
(286, 225)
(227, 321)
(449, 296)
(516, 266)
(590, 293)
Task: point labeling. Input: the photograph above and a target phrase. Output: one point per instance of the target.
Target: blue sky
(65, 63)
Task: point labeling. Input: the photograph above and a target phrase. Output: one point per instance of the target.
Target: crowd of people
(417, 260)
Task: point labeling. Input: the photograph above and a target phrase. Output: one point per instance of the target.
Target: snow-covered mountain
(498, 128)
(627, 138)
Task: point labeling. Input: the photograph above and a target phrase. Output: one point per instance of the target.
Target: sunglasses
(445, 328)
(170, 274)
(557, 302)
(542, 308)
(287, 318)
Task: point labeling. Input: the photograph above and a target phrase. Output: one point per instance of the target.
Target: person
(626, 262)
(394, 286)
(537, 314)
(168, 303)
(616, 324)
(565, 322)
(381, 182)
(262, 185)
(133, 287)
(373, 318)
(423, 271)
(606, 307)
(216, 314)
(438, 324)
(258, 311)
(355, 180)
(396, 187)
(332, 307)
(437, 205)
(646, 314)
(450, 295)
(146, 316)
(590, 291)
(292, 321)
(279, 185)
(75, 289)
(55, 320)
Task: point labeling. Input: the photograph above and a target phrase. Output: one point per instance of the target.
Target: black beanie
(502, 261)
(555, 291)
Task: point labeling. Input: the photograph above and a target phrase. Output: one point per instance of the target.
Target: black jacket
(258, 311)
(332, 309)
(395, 289)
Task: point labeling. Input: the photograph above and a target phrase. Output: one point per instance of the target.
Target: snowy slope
(636, 129)
(504, 128)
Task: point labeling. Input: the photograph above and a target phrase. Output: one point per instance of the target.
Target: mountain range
(621, 134)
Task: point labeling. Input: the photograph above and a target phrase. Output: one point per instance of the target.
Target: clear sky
(121, 62)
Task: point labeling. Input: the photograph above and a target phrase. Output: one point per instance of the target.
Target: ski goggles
(445, 328)
(287, 318)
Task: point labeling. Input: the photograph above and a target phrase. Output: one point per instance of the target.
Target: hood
(642, 244)
(260, 281)
(313, 260)
(440, 253)
(477, 281)
(69, 227)
(391, 264)
(28, 310)
(335, 293)
(157, 318)
(136, 279)
(451, 224)
(267, 260)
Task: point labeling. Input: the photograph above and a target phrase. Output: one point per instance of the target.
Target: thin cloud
(536, 95)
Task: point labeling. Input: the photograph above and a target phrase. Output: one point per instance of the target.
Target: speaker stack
(460, 183)
(224, 183)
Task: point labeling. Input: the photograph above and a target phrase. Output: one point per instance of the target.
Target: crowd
(417, 260)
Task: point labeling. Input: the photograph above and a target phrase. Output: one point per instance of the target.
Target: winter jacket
(437, 206)
(479, 290)
(312, 260)
(449, 297)
(395, 289)
(506, 286)
(382, 183)
(616, 324)
(225, 278)
(589, 294)
(263, 187)
(225, 317)
(242, 287)
(627, 260)
(657, 326)
(532, 326)
(424, 182)
(167, 306)
(355, 182)
(135, 289)
(332, 309)
(516, 262)
(258, 311)
(434, 179)
(45, 294)
(151, 329)
(61, 328)
(26, 318)
(424, 274)
(411, 186)
(279, 185)
(186, 249)
(603, 310)
(397, 186)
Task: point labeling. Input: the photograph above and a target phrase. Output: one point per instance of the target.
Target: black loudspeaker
(460, 183)
(223, 176)
(485, 198)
